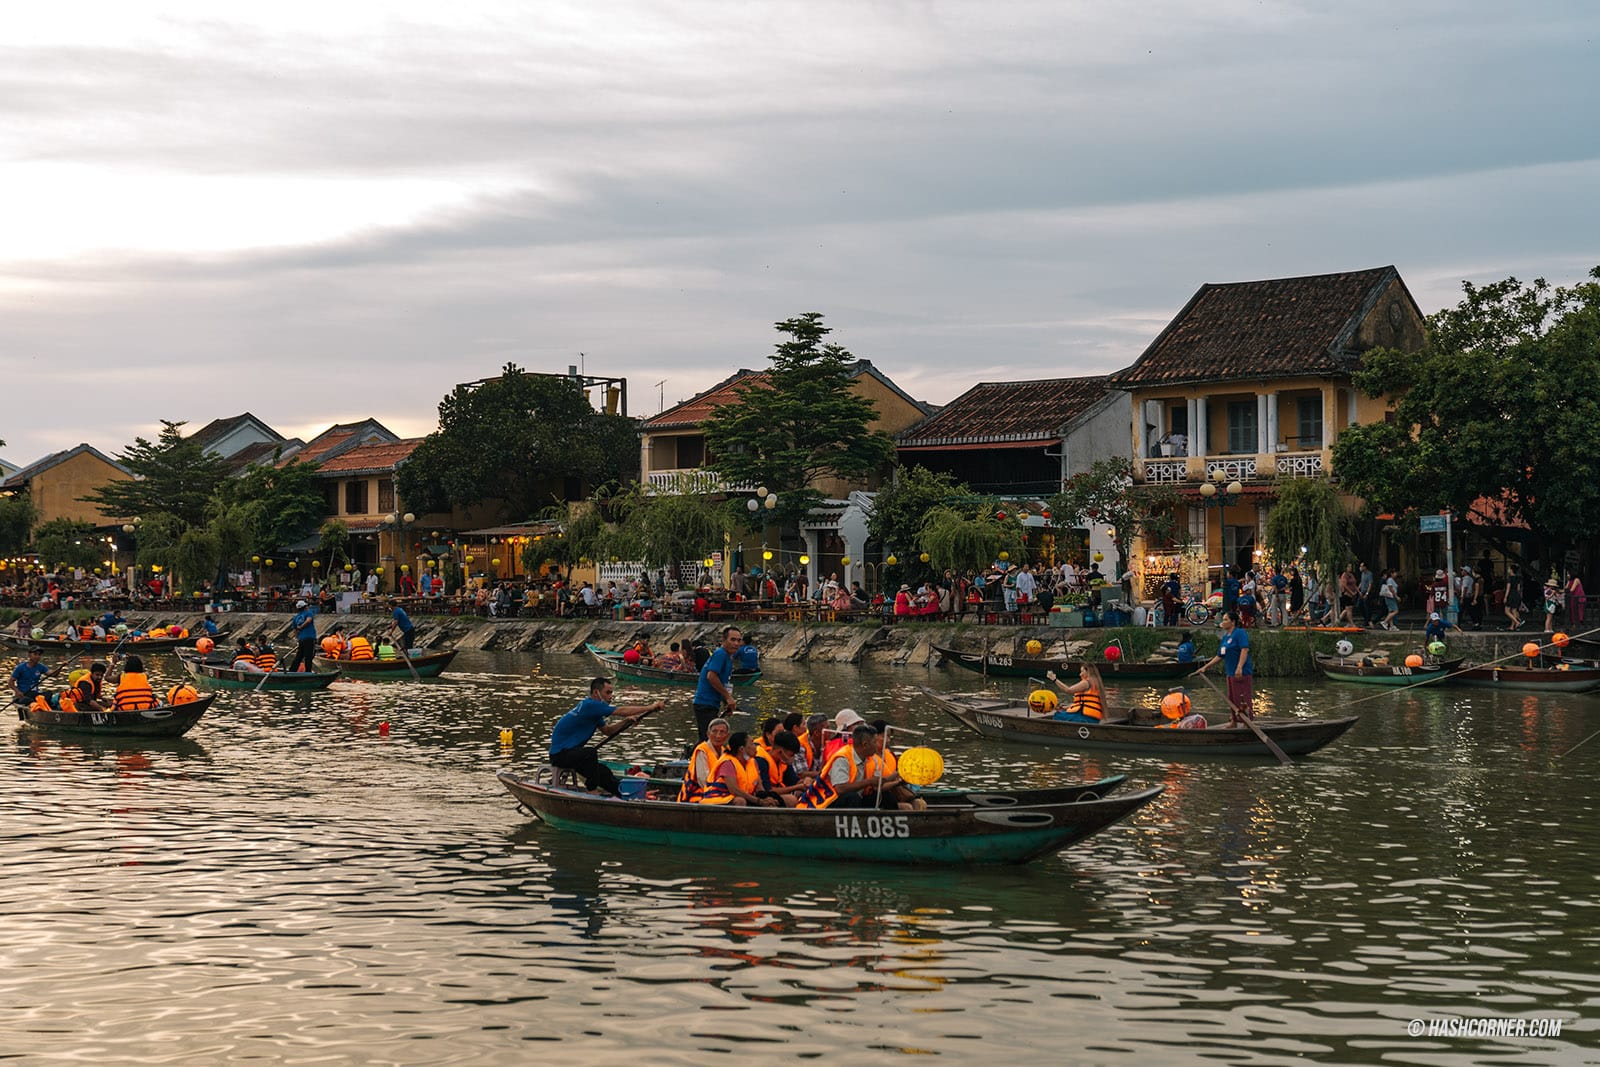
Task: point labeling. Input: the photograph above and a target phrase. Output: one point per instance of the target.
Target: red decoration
(1000, 515)
(1113, 653)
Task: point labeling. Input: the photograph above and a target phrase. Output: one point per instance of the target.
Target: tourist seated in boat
(85, 691)
(133, 692)
(244, 657)
(673, 660)
(182, 693)
(1088, 696)
(894, 789)
(1186, 647)
(569, 741)
(703, 760)
(844, 781)
(1178, 710)
(814, 741)
(781, 765)
(795, 723)
(361, 650)
(387, 649)
(267, 658)
(736, 780)
(844, 723)
(335, 645)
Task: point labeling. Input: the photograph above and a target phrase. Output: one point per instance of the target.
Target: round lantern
(1042, 701)
(1099, 557)
(891, 561)
(1113, 653)
(348, 568)
(804, 560)
(1413, 660)
(1005, 555)
(255, 559)
(1034, 647)
(844, 561)
(293, 564)
(1531, 650)
(269, 563)
(921, 766)
(494, 563)
(1344, 648)
(316, 563)
(1436, 648)
(470, 559)
(924, 557)
(766, 553)
(378, 571)
(1560, 640)
(204, 645)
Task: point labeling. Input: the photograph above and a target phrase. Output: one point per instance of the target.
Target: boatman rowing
(1238, 665)
(575, 728)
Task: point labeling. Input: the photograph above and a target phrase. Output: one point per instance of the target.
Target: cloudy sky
(322, 212)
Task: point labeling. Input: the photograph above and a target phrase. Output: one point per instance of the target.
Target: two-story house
(673, 458)
(1251, 384)
(57, 483)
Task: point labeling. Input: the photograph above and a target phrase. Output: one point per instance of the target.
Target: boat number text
(871, 826)
(991, 720)
(999, 661)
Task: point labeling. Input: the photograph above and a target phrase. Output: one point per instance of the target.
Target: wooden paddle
(400, 640)
(1272, 746)
(630, 724)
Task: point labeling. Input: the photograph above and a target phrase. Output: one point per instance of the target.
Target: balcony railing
(693, 480)
(1191, 470)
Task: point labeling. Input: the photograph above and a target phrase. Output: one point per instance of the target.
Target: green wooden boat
(638, 672)
(168, 720)
(427, 664)
(1363, 671)
(225, 676)
(1006, 665)
(943, 835)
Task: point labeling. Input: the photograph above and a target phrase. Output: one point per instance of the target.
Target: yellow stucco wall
(55, 492)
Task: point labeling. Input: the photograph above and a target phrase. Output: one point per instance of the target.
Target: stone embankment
(1278, 653)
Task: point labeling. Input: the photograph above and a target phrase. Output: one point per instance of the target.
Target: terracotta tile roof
(1279, 326)
(698, 409)
(371, 458)
(1007, 412)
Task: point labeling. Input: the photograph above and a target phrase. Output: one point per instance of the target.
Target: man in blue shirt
(574, 729)
(406, 628)
(714, 693)
(1230, 589)
(26, 677)
(1238, 665)
(1186, 647)
(305, 633)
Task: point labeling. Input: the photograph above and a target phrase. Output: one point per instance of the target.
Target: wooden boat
(226, 676)
(1001, 665)
(943, 835)
(1578, 677)
(1136, 729)
(1357, 669)
(100, 648)
(166, 721)
(639, 672)
(428, 665)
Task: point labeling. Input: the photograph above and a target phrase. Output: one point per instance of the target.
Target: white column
(1200, 431)
(1150, 427)
(1327, 416)
(1191, 406)
(1274, 421)
(1261, 422)
(1351, 394)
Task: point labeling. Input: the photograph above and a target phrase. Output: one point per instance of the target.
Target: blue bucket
(632, 788)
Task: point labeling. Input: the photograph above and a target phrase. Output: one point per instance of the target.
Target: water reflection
(290, 881)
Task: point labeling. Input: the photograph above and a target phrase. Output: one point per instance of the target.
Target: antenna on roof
(661, 396)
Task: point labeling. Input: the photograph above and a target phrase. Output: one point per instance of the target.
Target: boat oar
(631, 722)
(405, 655)
(1272, 746)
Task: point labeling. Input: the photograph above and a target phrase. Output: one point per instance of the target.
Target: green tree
(584, 535)
(663, 530)
(971, 538)
(1504, 402)
(156, 541)
(173, 474)
(802, 424)
(333, 545)
(1309, 514)
(514, 439)
(1105, 494)
(68, 541)
(17, 516)
(275, 506)
(900, 508)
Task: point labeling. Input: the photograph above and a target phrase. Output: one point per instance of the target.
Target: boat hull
(224, 677)
(166, 721)
(1011, 721)
(999, 665)
(637, 673)
(428, 665)
(940, 836)
(99, 648)
(1339, 669)
(1530, 679)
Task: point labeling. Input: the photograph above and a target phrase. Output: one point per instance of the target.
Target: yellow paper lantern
(316, 563)
(348, 568)
(804, 560)
(255, 559)
(766, 553)
(921, 766)
(924, 557)
(1034, 647)
(891, 561)
(709, 562)
(269, 563)
(1005, 555)
(405, 566)
(494, 563)
(844, 561)
(1042, 701)
(293, 564)
(377, 570)
(470, 559)
(1099, 557)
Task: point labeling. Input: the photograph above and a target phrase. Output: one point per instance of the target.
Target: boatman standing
(573, 730)
(1238, 665)
(714, 693)
(305, 633)
(405, 627)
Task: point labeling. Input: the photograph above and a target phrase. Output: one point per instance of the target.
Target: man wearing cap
(27, 675)
(305, 626)
(843, 723)
(714, 692)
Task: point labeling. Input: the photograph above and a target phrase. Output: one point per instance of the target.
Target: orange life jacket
(360, 649)
(332, 647)
(267, 660)
(774, 762)
(820, 793)
(692, 787)
(134, 693)
(1088, 703)
(748, 775)
(69, 699)
(182, 693)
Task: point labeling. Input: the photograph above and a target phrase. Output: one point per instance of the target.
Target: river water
(294, 884)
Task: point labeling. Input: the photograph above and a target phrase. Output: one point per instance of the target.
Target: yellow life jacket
(134, 693)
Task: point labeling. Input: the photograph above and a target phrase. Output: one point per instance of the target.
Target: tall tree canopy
(1105, 494)
(1503, 402)
(173, 474)
(17, 516)
(517, 438)
(275, 506)
(68, 541)
(806, 425)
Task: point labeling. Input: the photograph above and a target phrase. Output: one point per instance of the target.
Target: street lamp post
(1218, 495)
(398, 522)
(769, 501)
